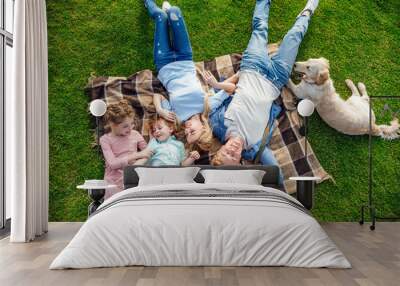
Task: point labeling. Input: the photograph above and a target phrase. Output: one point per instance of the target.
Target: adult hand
(167, 115)
(210, 78)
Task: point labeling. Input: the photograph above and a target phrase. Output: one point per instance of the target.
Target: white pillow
(248, 177)
(166, 176)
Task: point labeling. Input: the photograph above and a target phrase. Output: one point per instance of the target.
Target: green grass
(360, 38)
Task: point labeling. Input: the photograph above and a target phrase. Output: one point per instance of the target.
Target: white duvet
(188, 231)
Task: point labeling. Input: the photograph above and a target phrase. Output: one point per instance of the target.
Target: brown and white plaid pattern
(287, 144)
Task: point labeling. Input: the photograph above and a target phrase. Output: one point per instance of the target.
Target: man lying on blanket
(221, 102)
(260, 82)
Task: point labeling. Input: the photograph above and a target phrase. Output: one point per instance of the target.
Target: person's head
(162, 129)
(198, 132)
(230, 153)
(119, 117)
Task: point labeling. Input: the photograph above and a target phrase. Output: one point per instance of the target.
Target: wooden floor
(375, 257)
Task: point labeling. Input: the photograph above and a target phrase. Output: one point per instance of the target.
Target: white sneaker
(310, 6)
(166, 6)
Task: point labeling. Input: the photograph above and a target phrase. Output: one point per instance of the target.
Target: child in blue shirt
(167, 150)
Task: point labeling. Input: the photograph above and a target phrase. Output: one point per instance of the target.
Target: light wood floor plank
(375, 257)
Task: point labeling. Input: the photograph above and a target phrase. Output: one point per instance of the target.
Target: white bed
(222, 225)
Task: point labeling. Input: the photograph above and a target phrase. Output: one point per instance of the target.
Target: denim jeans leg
(152, 7)
(163, 53)
(268, 159)
(256, 52)
(180, 36)
(284, 60)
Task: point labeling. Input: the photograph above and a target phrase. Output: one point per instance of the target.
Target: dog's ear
(326, 62)
(322, 77)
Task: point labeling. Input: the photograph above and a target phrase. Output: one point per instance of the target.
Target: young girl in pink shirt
(121, 144)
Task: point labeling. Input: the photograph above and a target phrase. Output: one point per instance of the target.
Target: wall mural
(231, 110)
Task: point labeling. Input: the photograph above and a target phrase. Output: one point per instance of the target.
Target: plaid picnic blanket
(287, 144)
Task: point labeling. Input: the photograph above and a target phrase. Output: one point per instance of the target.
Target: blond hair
(217, 159)
(206, 140)
(117, 112)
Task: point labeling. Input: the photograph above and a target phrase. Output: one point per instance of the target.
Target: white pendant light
(306, 108)
(98, 107)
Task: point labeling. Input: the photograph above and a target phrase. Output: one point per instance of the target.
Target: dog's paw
(361, 87)
(349, 82)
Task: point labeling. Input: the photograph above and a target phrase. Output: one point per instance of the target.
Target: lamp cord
(305, 136)
(97, 135)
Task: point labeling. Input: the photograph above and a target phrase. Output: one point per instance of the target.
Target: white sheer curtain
(27, 129)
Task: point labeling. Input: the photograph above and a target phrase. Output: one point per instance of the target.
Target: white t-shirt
(248, 113)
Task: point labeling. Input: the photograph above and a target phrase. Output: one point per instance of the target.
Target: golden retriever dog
(349, 116)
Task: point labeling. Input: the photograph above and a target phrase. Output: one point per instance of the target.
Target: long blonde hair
(206, 141)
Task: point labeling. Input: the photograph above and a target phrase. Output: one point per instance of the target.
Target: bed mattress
(201, 225)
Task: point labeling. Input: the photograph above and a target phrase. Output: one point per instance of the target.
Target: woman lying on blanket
(176, 70)
(260, 82)
(210, 122)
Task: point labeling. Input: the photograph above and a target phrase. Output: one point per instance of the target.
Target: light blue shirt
(186, 96)
(169, 152)
(218, 105)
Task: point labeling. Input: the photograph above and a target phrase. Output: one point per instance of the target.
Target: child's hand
(209, 78)
(194, 155)
(167, 115)
(136, 156)
(146, 153)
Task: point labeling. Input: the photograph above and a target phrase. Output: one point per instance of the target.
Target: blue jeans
(167, 50)
(278, 68)
(267, 158)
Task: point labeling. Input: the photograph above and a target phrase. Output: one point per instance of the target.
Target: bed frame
(270, 179)
(131, 179)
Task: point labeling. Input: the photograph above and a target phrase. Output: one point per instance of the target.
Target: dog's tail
(388, 132)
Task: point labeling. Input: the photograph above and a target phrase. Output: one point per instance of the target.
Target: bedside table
(96, 192)
(305, 190)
